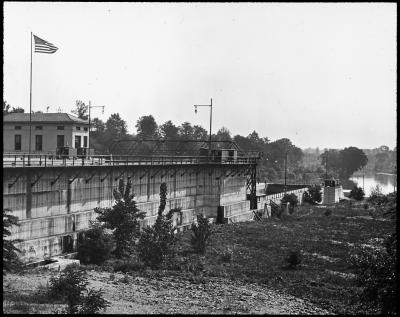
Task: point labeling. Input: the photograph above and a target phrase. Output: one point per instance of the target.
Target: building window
(85, 128)
(39, 143)
(78, 128)
(60, 127)
(60, 140)
(38, 127)
(77, 141)
(17, 142)
(17, 127)
(85, 141)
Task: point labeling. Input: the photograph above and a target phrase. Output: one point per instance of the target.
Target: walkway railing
(34, 160)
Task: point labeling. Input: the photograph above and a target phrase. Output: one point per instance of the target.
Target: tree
(20, 110)
(169, 131)
(81, 110)
(357, 193)
(10, 252)
(199, 133)
(223, 134)
(98, 138)
(156, 243)
(96, 245)
(72, 287)
(313, 195)
(147, 127)
(291, 199)
(116, 129)
(6, 109)
(352, 160)
(97, 125)
(333, 160)
(381, 161)
(122, 218)
(186, 131)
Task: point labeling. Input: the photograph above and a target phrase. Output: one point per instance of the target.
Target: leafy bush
(71, 287)
(313, 195)
(293, 259)
(376, 197)
(157, 243)
(11, 260)
(357, 193)
(201, 233)
(328, 212)
(376, 275)
(95, 246)
(291, 199)
(123, 218)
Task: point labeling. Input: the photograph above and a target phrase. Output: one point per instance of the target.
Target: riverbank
(244, 269)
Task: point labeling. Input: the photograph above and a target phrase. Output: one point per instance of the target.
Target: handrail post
(45, 161)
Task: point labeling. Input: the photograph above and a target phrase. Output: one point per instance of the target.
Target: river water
(384, 180)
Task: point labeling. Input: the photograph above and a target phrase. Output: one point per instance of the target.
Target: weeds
(201, 234)
(71, 287)
(293, 260)
(226, 255)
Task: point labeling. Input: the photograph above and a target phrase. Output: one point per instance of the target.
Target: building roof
(43, 118)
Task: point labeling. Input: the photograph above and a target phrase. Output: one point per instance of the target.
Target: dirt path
(173, 295)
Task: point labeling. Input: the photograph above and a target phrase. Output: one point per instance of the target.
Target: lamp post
(90, 107)
(195, 110)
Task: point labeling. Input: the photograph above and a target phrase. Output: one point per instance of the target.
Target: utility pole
(363, 180)
(195, 110)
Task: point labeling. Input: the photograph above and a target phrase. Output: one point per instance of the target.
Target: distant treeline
(302, 166)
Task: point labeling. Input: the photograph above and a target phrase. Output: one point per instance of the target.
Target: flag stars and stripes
(42, 46)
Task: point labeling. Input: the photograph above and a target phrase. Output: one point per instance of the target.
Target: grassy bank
(254, 253)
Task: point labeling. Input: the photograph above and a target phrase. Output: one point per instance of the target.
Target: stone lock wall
(55, 204)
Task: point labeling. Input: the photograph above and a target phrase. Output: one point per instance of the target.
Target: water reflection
(385, 182)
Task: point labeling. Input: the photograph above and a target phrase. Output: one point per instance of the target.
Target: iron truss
(171, 147)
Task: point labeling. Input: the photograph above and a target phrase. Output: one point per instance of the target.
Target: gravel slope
(168, 295)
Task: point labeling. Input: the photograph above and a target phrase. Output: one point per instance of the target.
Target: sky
(321, 74)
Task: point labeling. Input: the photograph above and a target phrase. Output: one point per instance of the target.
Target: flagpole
(30, 108)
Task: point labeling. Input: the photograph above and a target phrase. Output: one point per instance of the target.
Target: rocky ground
(155, 295)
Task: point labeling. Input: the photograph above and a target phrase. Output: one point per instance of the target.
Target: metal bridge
(33, 160)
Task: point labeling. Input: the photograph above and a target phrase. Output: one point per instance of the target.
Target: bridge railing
(46, 160)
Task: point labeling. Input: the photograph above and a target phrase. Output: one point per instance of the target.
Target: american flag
(42, 46)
